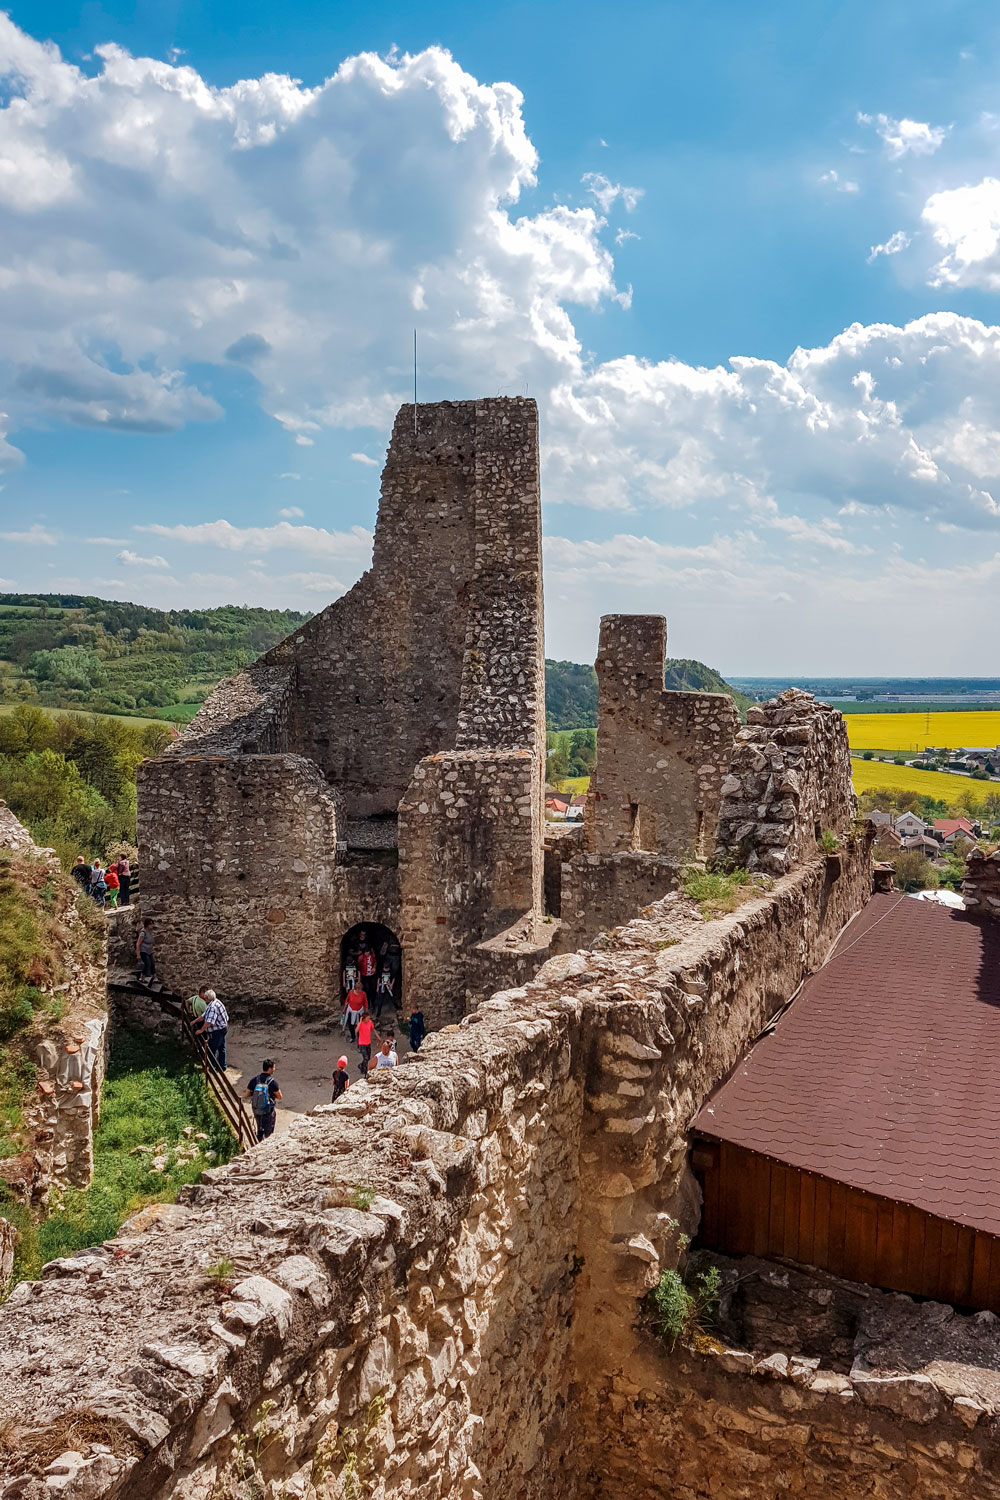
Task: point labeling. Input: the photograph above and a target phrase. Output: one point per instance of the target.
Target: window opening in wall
(699, 835)
(372, 954)
(634, 829)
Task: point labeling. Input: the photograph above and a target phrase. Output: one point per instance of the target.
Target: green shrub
(682, 1305)
(828, 841)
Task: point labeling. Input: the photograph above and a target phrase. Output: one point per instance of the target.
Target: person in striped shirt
(215, 1025)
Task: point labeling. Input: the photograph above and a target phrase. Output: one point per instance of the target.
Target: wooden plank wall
(756, 1206)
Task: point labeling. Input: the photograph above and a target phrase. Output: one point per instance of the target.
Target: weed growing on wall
(681, 1306)
(717, 892)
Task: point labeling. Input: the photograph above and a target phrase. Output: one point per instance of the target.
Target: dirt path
(305, 1054)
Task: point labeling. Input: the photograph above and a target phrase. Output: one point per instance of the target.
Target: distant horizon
(734, 678)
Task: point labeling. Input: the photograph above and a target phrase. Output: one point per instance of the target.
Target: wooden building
(861, 1133)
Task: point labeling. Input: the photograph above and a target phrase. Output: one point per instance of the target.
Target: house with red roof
(952, 831)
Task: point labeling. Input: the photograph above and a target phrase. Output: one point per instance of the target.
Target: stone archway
(388, 954)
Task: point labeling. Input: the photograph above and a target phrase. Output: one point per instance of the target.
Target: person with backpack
(367, 965)
(264, 1093)
(98, 886)
(341, 1079)
(215, 1025)
(81, 873)
(355, 1007)
(111, 881)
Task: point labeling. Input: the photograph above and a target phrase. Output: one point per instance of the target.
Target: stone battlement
(447, 1261)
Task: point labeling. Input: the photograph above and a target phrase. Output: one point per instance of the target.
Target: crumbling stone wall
(816, 1386)
(653, 807)
(661, 756)
(437, 649)
(440, 1271)
(67, 1048)
(789, 782)
(981, 885)
(721, 1423)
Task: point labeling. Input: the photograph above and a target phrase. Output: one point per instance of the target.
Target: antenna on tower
(414, 382)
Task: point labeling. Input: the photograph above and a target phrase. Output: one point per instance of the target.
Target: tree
(582, 752)
(914, 872)
(557, 765)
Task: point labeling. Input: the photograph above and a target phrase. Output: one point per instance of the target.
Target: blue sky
(211, 273)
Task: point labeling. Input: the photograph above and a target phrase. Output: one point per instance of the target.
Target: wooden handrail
(233, 1109)
(228, 1100)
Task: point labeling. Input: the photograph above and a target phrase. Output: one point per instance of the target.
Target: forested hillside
(571, 689)
(74, 651)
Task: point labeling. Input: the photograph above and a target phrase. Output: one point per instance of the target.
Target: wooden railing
(226, 1097)
(229, 1102)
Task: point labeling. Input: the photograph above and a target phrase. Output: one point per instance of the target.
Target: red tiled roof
(953, 825)
(884, 1074)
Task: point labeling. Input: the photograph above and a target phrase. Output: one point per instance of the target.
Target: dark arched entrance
(384, 986)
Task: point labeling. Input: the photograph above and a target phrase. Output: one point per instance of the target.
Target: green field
(135, 719)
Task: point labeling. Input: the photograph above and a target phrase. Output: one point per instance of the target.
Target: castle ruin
(437, 1287)
(383, 766)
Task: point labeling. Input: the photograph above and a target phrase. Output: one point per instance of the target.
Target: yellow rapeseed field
(915, 732)
(947, 788)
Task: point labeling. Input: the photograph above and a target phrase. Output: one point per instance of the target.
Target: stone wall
(66, 1043)
(441, 1272)
(469, 863)
(981, 886)
(661, 756)
(789, 783)
(238, 859)
(250, 863)
(654, 798)
(598, 891)
(723, 1424)
(812, 1385)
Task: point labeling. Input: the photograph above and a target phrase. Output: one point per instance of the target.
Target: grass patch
(152, 1093)
(717, 893)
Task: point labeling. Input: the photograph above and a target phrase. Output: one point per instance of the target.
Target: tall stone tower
(383, 766)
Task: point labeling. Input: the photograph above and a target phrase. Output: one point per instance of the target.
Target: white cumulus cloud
(35, 535)
(354, 545)
(896, 242)
(906, 137)
(291, 512)
(134, 560)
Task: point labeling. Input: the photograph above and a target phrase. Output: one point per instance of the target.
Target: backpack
(260, 1100)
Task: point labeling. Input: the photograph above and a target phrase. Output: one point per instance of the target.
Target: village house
(908, 825)
(952, 831)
